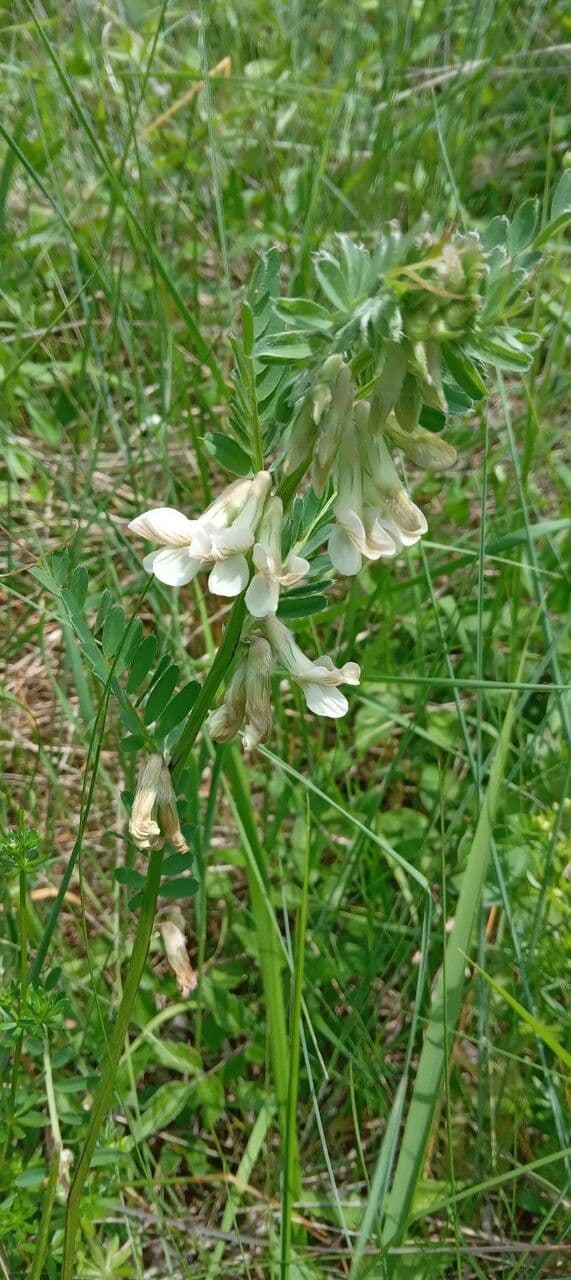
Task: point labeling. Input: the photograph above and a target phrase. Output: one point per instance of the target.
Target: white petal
(261, 558)
(229, 576)
(201, 545)
(325, 700)
(343, 554)
(351, 673)
(379, 539)
(289, 653)
(149, 561)
(165, 525)
(228, 503)
(225, 542)
(174, 568)
(262, 596)
(294, 569)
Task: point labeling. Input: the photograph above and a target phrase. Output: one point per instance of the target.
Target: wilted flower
(225, 722)
(172, 933)
(219, 538)
(258, 693)
(168, 814)
(263, 593)
(143, 826)
(319, 679)
(246, 703)
(337, 400)
(154, 816)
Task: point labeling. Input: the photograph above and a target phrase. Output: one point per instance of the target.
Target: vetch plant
(327, 394)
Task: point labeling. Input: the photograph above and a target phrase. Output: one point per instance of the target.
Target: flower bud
(409, 403)
(334, 419)
(302, 436)
(258, 693)
(389, 382)
(143, 826)
(424, 448)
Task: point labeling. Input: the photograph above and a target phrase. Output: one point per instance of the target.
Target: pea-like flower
(247, 702)
(318, 680)
(218, 539)
(154, 816)
(357, 533)
(272, 573)
(390, 507)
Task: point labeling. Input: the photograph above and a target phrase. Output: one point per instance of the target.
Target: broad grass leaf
(178, 708)
(129, 876)
(286, 348)
(332, 281)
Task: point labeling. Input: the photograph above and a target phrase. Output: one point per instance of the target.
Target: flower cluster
(246, 706)
(347, 439)
(241, 519)
(400, 313)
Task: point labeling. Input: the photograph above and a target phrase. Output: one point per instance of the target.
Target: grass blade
(289, 1171)
(446, 1005)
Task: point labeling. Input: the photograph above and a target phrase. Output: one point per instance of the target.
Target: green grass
(134, 198)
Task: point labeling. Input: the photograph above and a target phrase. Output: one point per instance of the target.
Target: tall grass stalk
(446, 1006)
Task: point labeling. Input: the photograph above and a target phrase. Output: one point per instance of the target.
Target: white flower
(218, 538)
(389, 505)
(319, 679)
(263, 593)
(356, 533)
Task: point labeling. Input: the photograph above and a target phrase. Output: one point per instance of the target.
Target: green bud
(409, 403)
(389, 381)
(426, 450)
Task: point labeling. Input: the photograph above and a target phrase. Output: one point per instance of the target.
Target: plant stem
(42, 1239)
(209, 689)
(290, 1144)
(142, 940)
(270, 952)
(106, 1085)
(17, 1061)
(22, 922)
